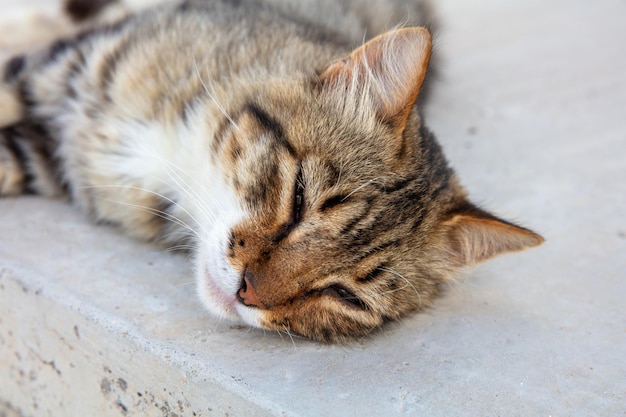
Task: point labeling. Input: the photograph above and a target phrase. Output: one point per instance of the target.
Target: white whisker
(184, 284)
(290, 336)
(174, 173)
(177, 248)
(178, 182)
(408, 283)
(160, 213)
(212, 94)
(280, 334)
(340, 173)
(372, 181)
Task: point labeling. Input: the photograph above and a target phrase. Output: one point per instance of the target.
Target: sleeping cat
(271, 137)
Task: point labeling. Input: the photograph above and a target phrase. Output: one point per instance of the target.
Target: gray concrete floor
(530, 106)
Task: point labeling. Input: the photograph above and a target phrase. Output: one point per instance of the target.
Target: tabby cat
(272, 137)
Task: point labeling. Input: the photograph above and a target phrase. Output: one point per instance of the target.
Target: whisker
(368, 182)
(207, 208)
(340, 172)
(179, 236)
(212, 95)
(290, 336)
(159, 213)
(184, 284)
(408, 283)
(163, 215)
(173, 173)
(180, 248)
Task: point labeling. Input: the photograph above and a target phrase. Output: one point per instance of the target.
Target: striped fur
(288, 154)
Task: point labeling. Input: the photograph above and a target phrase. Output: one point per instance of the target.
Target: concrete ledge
(72, 366)
(92, 323)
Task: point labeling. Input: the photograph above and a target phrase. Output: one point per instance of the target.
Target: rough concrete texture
(529, 105)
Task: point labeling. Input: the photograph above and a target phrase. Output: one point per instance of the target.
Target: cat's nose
(246, 293)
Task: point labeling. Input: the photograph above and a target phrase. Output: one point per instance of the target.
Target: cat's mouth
(219, 301)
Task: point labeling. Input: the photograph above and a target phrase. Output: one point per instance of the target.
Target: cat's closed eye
(344, 296)
(332, 202)
(298, 198)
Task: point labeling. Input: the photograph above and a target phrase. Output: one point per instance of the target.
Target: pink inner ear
(390, 69)
(475, 239)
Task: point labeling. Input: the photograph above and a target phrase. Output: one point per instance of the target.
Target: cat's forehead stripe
(271, 124)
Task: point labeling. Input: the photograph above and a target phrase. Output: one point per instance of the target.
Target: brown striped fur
(289, 154)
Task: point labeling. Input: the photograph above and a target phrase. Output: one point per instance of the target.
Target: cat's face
(334, 214)
(344, 212)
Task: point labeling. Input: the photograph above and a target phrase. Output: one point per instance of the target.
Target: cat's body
(296, 165)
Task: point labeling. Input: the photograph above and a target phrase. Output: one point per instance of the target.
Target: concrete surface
(530, 106)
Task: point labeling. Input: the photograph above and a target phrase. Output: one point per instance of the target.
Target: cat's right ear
(389, 70)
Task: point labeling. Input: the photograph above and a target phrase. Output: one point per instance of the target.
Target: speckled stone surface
(529, 105)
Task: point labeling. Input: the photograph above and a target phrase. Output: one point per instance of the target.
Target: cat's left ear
(473, 235)
(389, 68)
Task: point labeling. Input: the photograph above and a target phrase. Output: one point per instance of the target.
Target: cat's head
(348, 214)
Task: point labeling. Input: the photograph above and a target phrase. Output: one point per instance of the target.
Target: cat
(281, 140)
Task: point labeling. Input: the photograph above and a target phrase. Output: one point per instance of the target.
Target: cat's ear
(473, 235)
(389, 68)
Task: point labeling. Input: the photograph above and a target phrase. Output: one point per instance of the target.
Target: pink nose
(246, 293)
